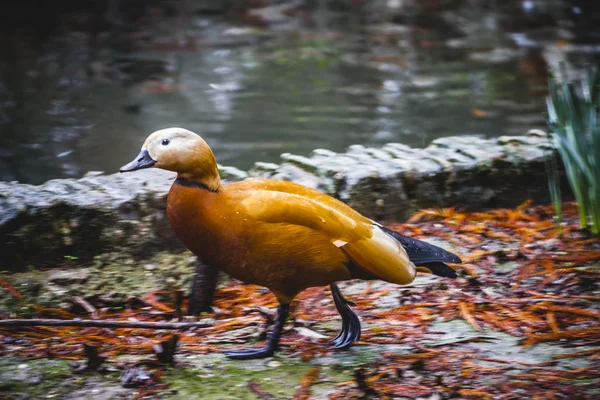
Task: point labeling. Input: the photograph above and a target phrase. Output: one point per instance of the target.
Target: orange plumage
(277, 234)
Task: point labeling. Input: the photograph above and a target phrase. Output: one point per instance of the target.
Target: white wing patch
(339, 243)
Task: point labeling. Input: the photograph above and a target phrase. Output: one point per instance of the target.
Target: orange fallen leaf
(561, 43)
(153, 301)
(10, 288)
(551, 318)
(307, 381)
(479, 113)
(466, 314)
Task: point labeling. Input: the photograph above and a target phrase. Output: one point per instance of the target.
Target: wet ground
(521, 321)
(216, 377)
(84, 92)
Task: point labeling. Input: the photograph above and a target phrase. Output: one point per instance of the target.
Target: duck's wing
(364, 242)
(294, 209)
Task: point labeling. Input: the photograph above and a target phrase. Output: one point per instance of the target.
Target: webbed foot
(250, 353)
(272, 340)
(350, 332)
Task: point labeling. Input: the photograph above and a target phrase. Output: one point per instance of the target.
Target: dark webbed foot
(272, 340)
(350, 332)
(250, 353)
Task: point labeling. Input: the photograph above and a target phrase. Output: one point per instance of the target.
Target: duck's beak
(143, 160)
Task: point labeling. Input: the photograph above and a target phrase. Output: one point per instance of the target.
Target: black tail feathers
(441, 269)
(427, 255)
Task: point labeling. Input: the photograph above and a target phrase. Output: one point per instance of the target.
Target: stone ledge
(68, 222)
(392, 182)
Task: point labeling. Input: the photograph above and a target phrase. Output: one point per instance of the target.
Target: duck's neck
(200, 169)
(208, 181)
(194, 184)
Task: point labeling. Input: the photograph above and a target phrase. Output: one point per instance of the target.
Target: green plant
(574, 121)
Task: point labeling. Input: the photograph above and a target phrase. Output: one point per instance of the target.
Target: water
(83, 96)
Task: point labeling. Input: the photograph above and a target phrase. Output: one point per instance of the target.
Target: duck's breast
(193, 214)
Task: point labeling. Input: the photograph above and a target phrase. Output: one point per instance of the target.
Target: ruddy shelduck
(279, 234)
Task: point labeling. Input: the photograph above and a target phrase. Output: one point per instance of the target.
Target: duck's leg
(204, 284)
(350, 332)
(272, 340)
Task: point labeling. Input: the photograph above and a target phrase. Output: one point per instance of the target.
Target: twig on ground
(255, 387)
(7, 323)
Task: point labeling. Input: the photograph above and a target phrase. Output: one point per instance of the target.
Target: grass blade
(574, 124)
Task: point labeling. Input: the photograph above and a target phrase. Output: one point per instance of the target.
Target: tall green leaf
(574, 124)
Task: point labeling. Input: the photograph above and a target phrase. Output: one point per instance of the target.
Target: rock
(67, 221)
(232, 173)
(109, 280)
(495, 56)
(394, 181)
(309, 333)
(261, 169)
(273, 14)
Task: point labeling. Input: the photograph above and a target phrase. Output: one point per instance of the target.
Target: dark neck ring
(193, 184)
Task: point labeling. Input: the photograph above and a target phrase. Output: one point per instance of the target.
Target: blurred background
(83, 82)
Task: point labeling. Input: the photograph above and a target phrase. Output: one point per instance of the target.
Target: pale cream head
(181, 151)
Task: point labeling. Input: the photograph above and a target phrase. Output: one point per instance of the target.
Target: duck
(279, 234)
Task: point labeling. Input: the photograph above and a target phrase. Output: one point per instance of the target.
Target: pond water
(84, 92)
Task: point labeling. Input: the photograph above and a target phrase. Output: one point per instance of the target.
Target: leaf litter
(523, 279)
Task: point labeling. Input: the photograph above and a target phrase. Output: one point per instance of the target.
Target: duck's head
(181, 151)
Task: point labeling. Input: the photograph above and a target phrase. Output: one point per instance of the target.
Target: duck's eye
(165, 142)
